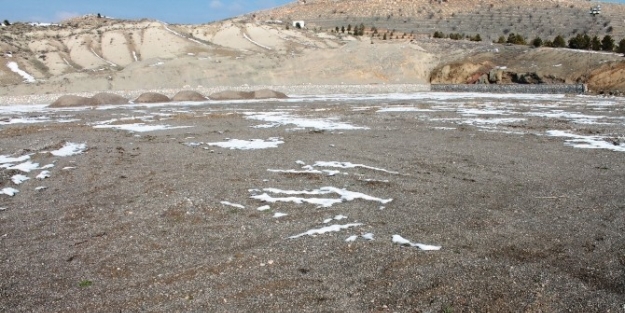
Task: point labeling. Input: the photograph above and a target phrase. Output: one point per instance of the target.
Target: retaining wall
(521, 88)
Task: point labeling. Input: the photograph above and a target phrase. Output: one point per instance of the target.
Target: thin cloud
(216, 4)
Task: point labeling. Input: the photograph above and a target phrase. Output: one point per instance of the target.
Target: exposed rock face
(269, 94)
(242, 95)
(231, 95)
(152, 97)
(109, 98)
(72, 101)
(188, 95)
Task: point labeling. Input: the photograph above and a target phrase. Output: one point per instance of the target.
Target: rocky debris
(152, 97)
(527, 78)
(188, 95)
(495, 76)
(73, 101)
(109, 98)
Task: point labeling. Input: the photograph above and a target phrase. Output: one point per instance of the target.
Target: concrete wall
(521, 88)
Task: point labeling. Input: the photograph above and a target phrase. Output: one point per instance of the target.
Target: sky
(170, 11)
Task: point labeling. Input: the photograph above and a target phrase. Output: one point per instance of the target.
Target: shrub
(559, 42)
(607, 43)
(516, 39)
(438, 34)
(501, 39)
(476, 38)
(580, 42)
(537, 42)
(548, 43)
(621, 46)
(595, 44)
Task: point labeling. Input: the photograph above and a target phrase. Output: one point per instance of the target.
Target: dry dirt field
(527, 216)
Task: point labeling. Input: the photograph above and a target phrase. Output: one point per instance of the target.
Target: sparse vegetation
(537, 42)
(85, 283)
(621, 46)
(607, 43)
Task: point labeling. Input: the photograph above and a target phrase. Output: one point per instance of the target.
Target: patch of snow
(47, 166)
(25, 120)
(587, 142)
(134, 56)
(252, 144)
(263, 208)
(238, 206)
(350, 165)
(103, 59)
(327, 229)
(43, 175)
(277, 119)
(404, 109)
(9, 191)
(405, 242)
(345, 195)
(368, 236)
(67, 168)
(9, 159)
(40, 188)
(254, 42)
(140, 127)
(70, 149)
(19, 178)
(279, 215)
(25, 167)
(16, 69)
(351, 238)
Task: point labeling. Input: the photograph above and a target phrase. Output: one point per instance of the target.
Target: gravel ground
(140, 221)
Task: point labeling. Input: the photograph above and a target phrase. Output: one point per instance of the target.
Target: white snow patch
(587, 142)
(368, 236)
(43, 175)
(238, 206)
(40, 188)
(103, 59)
(252, 144)
(405, 242)
(345, 195)
(254, 42)
(25, 167)
(134, 56)
(19, 178)
(9, 191)
(263, 208)
(350, 165)
(404, 109)
(70, 149)
(338, 218)
(47, 166)
(327, 229)
(279, 215)
(277, 119)
(351, 238)
(140, 127)
(16, 69)
(9, 159)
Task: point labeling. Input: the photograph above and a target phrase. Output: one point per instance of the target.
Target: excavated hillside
(265, 48)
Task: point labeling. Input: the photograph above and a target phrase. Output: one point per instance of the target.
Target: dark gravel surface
(526, 222)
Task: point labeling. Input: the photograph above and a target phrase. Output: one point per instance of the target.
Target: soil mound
(109, 98)
(232, 95)
(152, 97)
(72, 101)
(188, 95)
(269, 94)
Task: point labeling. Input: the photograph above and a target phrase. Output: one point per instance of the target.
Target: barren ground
(136, 222)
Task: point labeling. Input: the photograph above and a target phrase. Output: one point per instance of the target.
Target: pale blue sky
(171, 11)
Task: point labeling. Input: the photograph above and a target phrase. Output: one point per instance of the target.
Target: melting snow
(70, 149)
(277, 119)
(350, 165)
(327, 229)
(8, 159)
(587, 142)
(9, 191)
(251, 144)
(43, 175)
(16, 69)
(19, 178)
(263, 208)
(238, 206)
(25, 167)
(140, 127)
(405, 242)
(345, 195)
(279, 215)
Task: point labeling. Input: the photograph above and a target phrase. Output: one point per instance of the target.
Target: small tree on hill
(559, 42)
(595, 44)
(580, 42)
(537, 42)
(343, 29)
(501, 39)
(6, 23)
(621, 46)
(607, 43)
(548, 43)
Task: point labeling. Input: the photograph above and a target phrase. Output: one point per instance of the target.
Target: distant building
(299, 24)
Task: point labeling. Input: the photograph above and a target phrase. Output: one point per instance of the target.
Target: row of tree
(457, 36)
(580, 41)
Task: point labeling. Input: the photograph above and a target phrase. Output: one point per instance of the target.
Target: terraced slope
(489, 18)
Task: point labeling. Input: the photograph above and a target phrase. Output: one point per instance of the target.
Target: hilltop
(92, 53)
